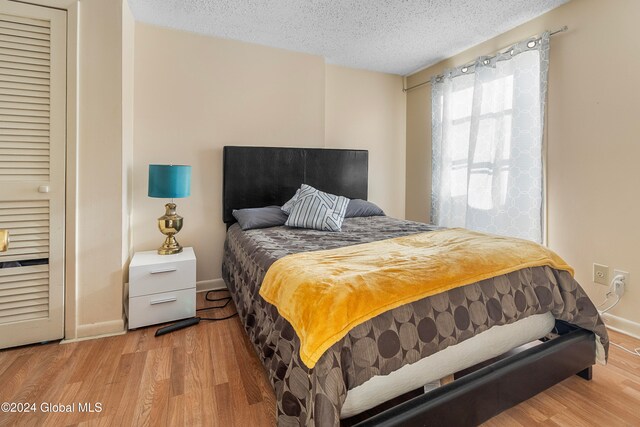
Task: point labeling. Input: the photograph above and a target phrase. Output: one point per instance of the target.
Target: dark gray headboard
(263, 176)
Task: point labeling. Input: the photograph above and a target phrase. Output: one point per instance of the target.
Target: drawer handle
(164, 270)
(162, 301)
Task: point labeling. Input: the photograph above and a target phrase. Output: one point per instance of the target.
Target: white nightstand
(162, 288)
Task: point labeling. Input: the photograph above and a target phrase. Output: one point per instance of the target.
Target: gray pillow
(286, 208)
(317, 210)
(270, 216)
(359, 207)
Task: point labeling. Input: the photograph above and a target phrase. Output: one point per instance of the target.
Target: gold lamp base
(170, 224)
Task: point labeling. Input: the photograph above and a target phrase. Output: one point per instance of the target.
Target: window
(487, 124)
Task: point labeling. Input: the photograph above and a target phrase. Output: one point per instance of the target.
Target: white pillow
(317, 210)
(286, 208)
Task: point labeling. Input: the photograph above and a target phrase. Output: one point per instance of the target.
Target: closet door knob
(4, 240)
(43, 189)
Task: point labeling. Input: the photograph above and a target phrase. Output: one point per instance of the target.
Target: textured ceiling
(393, 36)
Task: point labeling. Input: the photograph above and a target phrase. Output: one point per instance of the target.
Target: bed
(407, 348)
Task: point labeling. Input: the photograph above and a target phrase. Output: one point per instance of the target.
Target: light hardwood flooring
(209, 375)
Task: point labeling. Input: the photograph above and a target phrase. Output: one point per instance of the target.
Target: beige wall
(99, 204)
(366, 110)
(195, 94)
(592, 135)
(418, 152)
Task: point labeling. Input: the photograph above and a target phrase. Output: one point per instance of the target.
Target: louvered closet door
(32, 150)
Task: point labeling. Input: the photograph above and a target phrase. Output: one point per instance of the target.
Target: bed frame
(262, 176)
(476, 397)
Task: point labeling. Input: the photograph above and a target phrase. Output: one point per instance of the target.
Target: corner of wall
(128, 52)
(71, 207)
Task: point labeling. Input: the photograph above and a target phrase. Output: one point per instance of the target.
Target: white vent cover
(24, 293)
(24, 99)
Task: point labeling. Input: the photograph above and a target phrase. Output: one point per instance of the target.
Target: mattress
(396, 338)
(484, 346)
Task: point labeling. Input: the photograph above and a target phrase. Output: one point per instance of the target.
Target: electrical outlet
(601, 274)
(622, 273)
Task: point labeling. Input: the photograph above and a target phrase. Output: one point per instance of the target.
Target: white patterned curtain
(487, 126)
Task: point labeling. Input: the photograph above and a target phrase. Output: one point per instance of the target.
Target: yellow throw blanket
(324, 294)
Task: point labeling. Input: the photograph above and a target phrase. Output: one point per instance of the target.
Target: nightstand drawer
(163, 307)
(152, 279)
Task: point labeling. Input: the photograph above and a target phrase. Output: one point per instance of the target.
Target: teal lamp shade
(169, 181)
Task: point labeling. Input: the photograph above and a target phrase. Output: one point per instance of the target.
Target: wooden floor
(209, 375)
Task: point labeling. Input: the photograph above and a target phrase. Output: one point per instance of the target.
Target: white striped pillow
(286, 208)
(317, 210)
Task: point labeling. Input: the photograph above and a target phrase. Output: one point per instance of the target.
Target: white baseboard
(99, 330)
(622, 325)
(117, 327)
(93, 337)
(210, 285)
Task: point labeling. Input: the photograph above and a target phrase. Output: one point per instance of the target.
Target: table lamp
(170, 182)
